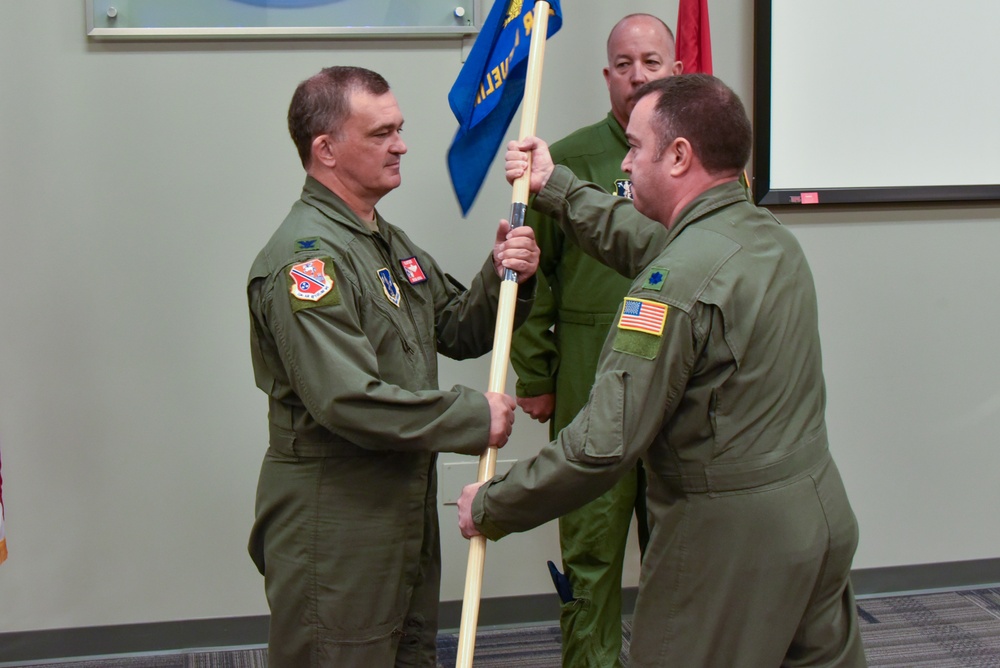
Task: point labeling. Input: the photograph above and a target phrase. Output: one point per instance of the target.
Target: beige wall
(138, 180)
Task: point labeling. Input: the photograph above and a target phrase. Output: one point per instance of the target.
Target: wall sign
(280, 19)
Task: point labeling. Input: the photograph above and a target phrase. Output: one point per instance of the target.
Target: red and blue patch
(309, 280)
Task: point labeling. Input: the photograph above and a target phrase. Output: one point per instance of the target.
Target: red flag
(694, 40)
(3, 539)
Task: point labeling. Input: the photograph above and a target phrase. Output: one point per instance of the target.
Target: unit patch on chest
(389, 286)
(414, 272)
(310, 284)
(623, 188)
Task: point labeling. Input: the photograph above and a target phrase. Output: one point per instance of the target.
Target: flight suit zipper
(386, 252)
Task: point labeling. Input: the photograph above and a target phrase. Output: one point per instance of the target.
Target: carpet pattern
(958, 629)
(946, 630)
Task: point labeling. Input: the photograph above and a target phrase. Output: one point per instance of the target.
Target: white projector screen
(876, 101)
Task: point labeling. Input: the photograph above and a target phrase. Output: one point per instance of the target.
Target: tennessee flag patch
(310, 285)
(643, 315)
(309, 280)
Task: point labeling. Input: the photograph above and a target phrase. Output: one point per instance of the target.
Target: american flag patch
(643, 315)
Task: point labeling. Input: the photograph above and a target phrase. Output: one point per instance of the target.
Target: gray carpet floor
(958, 629)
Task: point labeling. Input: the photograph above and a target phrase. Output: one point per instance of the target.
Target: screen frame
(815, 193)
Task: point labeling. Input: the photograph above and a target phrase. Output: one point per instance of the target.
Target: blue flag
(488, 90)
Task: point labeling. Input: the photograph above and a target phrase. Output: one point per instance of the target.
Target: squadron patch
(310, 285)
(640, 327)
(623, 188)
(655, 279)
(389, 286)
(414, 272)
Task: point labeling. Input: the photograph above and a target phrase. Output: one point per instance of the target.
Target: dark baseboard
(925, 577)
(517, 610)
(49, 644)
(132, 638)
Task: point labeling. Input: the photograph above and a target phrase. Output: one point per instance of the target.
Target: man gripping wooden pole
(502, 336)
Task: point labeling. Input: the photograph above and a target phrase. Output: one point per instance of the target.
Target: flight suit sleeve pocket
(603, 421)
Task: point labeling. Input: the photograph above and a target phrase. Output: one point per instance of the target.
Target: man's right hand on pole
(501, 417)
(516, 161)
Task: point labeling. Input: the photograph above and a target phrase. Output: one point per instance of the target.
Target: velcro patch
(309, 244)
(414, 272)
(655, 279)
(640, 327)
(640, 344)
(643, 315)
(623, 188)
(310, 283)
(389, 286)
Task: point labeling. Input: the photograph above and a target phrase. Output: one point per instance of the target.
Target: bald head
(639, 22)
(640, 49)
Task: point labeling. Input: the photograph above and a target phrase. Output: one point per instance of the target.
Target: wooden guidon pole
(502, 334)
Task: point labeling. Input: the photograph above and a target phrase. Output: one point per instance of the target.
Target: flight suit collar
(708, 202)
(317, 195)
(617, 131)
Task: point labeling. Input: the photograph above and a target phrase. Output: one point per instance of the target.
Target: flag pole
(503, 332)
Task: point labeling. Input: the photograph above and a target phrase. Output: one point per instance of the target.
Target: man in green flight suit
(348, 316)
(712, 373)
(555, 352)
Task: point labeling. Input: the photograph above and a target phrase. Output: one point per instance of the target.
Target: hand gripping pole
(503, 332)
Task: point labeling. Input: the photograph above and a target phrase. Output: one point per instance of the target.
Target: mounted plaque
(280, 19)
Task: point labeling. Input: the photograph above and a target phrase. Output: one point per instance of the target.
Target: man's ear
(677, 68)
(322, 150)
(680, 156)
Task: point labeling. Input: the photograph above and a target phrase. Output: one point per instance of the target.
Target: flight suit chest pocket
(395, 346)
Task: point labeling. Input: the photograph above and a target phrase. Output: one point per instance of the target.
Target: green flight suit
(556, 350)
(346, 325)
(752, 534)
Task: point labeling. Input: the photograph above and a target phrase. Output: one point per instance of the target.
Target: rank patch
(306, 244)
(643, 315)
(656, 278)
(389, 286)
(414, 272)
